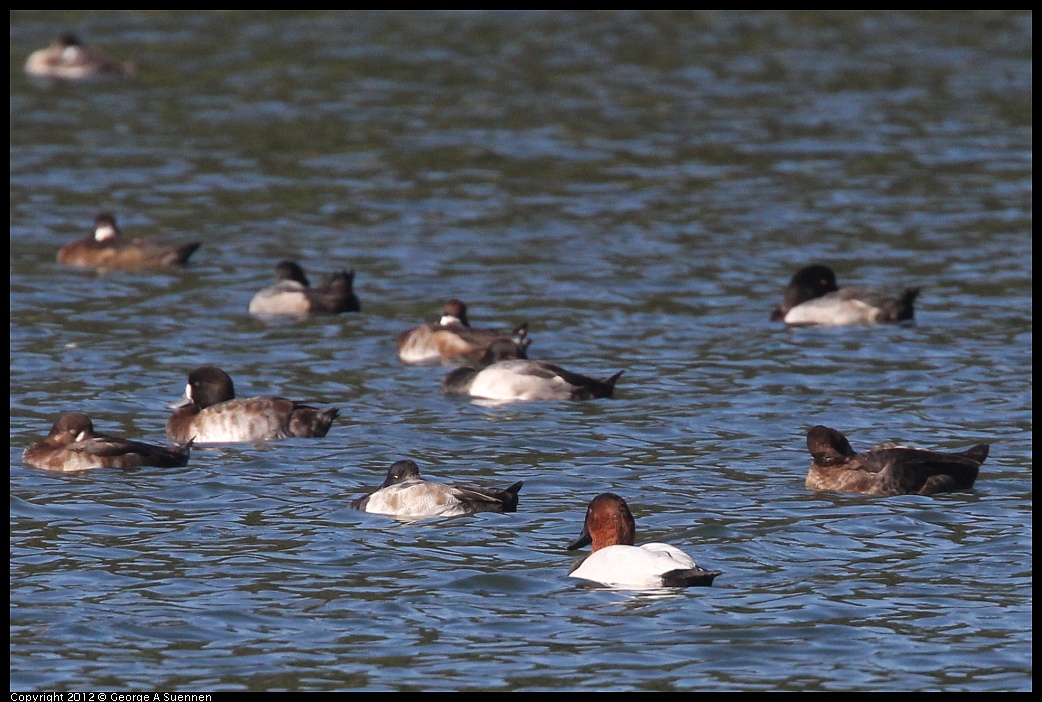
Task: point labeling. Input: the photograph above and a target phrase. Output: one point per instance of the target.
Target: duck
(451, 341)
(505, 373)
(293, 294)
(614, 560)
(406, 494)
(888, 469)
(106, 249)
(68, 58)
(813, 298)
(209, 413)
(74, 446)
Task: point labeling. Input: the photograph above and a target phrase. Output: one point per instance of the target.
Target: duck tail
(184, 252)
(978, 453)
(310, 422)
(905, 309)
(341, 295)
(689, 577)
(510, 496)
(587, 388)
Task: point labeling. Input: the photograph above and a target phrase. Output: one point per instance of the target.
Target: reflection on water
(640, 187)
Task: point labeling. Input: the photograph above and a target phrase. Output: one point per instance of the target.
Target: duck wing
(926, 472)
(135, 452)
(488, 499)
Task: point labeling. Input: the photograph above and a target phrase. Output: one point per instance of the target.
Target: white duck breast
(417, 498)
(408, 495)
(835, 310)
(616, 562)
(633, 566)
(813, 298)
(285, 297)
(520, 380)
(505, 374)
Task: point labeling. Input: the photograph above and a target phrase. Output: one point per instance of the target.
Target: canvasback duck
(67, 57)
(405, 494)
(106, 249)
(505, 373)
(209, 413)
(614, 560)
(293, 294)
(73, 445)
(452, 340)
(812, 298)
(888, 469)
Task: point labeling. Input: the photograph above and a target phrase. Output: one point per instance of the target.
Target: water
(639, 187)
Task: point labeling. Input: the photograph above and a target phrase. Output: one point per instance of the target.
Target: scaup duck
(67, 57)
(505, 373)
(73, 445)
(106, 249)
(293, 294)
(614, 560)
(888, 469)
(813, 298)
(452, 340)
(405, 494)
(209, 413)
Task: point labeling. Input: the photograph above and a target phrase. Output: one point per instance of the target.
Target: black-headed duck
(813, 298)
(294, 295)
(69, 59)
(209, 413)
(405, 494)
(505, 373)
